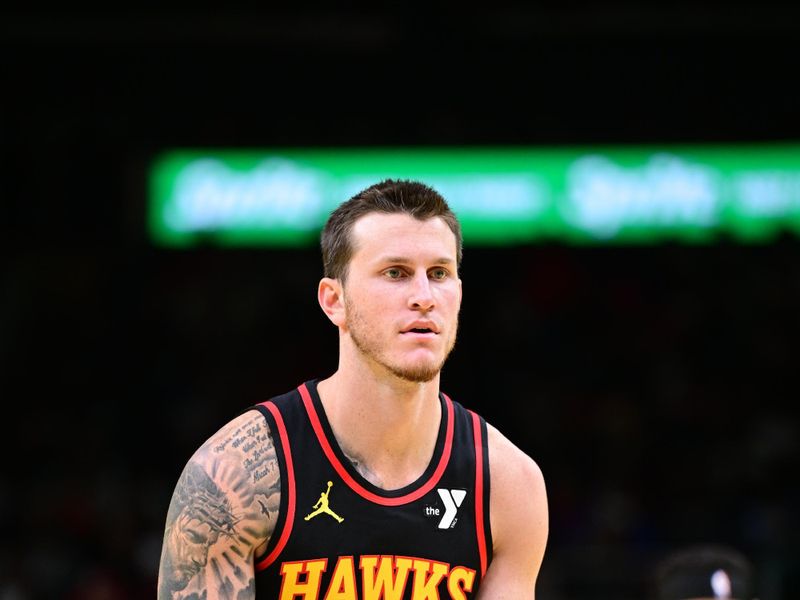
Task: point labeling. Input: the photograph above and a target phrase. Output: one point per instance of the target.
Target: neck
(386, 425)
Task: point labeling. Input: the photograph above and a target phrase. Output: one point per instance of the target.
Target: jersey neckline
(357, 482)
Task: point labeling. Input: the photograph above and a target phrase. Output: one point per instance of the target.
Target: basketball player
(370, 483)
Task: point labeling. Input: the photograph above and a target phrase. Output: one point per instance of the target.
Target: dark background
(655, 386)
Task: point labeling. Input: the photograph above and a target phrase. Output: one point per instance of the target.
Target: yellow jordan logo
(322, 506)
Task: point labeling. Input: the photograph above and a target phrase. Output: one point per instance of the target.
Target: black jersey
(339, 537)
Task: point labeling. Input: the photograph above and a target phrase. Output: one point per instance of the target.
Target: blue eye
(394, 273)
(439, 273)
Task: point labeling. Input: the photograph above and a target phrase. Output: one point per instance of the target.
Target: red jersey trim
(479, 528)
(357, 487)
(287, 452)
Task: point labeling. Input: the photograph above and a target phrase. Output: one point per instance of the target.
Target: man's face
(402, 293)
(192, 541)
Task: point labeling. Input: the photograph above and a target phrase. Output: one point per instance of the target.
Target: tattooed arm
(223, 512)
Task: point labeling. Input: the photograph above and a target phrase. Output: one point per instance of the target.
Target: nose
(421, 296)
(201, 558)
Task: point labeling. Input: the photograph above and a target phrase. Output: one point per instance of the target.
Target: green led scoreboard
(502, 195)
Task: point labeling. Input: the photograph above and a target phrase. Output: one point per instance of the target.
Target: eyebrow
(406, 260)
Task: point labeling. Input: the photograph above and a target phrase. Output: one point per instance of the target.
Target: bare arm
(518, 513)
(223, 511)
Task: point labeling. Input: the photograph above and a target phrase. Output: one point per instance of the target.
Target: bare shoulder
(223, 511)
(510, 466)
(519, 520)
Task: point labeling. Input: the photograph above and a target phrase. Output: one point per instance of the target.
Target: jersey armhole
(483, 526)
(283, 452)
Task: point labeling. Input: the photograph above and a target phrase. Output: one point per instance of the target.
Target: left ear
(330, 295)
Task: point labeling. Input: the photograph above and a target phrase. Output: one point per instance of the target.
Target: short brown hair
(389, 196)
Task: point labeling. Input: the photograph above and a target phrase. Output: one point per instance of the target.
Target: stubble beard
(366, 344)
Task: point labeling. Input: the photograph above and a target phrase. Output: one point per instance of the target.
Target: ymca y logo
(452, 500)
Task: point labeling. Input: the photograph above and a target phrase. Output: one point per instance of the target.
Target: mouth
(421, 327)
(420, 331)
(187, 572)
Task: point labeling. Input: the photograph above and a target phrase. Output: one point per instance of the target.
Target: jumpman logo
(322, 506)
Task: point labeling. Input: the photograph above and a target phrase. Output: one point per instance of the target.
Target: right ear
(330, 296)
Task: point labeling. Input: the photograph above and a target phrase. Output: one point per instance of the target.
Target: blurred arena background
(655, 384)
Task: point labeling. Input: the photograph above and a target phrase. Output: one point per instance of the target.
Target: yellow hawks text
(382, 578)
